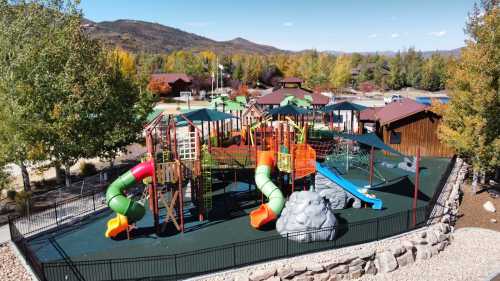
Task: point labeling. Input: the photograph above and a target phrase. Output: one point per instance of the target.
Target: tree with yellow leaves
(341, 74)
(471, 122)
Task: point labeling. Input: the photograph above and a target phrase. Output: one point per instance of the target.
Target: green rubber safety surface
(228, 222)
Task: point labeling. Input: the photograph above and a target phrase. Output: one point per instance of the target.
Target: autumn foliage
(159, 87)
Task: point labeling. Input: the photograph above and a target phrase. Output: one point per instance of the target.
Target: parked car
(393, 98)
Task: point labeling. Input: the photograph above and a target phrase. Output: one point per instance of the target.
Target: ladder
(206, 173)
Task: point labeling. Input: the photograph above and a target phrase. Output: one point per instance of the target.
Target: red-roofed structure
(407, 125)
(178, 82)
(291, 86)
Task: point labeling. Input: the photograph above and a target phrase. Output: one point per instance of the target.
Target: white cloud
(200, 23)
(395, 35)
(288, 24)
(373, 35)
(438, 33)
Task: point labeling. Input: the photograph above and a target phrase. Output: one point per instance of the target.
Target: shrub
(5, 179)
(87, 169)
(11, 194)
(22, 200)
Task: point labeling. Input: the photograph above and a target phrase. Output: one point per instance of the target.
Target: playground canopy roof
(370, 139)
(233, 106)
(288, 110)
(345, 105)
(205, 114)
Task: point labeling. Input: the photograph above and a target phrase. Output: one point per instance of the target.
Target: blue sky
(341, 25)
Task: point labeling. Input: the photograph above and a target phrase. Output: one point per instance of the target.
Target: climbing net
(344, 157)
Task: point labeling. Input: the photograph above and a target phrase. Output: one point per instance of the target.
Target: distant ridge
(140, 36)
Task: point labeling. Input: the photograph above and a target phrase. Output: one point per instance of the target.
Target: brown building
(178, 82)
(406, 125)
(291, 87)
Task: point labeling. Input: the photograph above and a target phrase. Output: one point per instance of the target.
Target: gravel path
(474, 254)
(10, 267)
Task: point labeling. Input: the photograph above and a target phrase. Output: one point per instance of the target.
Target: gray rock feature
(306, 211)
(386, 262)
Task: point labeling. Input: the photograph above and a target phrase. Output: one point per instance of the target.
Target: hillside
(137, 36)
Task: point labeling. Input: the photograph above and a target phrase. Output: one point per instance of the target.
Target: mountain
(140, 36)
(425, 54)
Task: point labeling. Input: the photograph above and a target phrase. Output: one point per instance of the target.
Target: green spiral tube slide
(269, 211)
(116, 199)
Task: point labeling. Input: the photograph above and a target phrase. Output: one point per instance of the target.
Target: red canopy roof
(279, 95)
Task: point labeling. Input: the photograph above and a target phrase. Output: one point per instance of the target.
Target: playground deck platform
(228, 221)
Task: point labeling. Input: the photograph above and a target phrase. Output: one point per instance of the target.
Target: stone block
(330, 264)
(274, 278)
(423, 252)
(340, 269)
(405, 259)
(322, 276)
(357, 262)
(370, 268)
(387, 262)
(316, 268)
(356, 273)
(263, 274)
(398, 250)
(366, 254)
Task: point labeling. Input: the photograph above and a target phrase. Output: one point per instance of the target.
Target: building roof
(291, 80)
(344, 105)
(279, 95)
(394, 111)
(369, 114)
(171, 77)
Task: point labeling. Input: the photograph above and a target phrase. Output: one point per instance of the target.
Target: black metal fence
(193, 263)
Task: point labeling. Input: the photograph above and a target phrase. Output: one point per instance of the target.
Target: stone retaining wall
(379, 256)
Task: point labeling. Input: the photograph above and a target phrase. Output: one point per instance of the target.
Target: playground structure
(184, 157)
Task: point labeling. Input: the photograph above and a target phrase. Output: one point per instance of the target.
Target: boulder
(334, 194)
(304, 278)
(366, 254)
(285, 272)
(370, 268)
(241, 277)
(263, 274)
(340, 269)
(356, 273)
(423, 252)
(387, 262)
(488, 206)
(398, 250)
(315, 268)
(307, 211)
(322, 276)
(432, 239)
(357, 262)
(330, 264)
(405, 259)
(274, 278)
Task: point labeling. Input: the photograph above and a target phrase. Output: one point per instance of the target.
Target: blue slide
(348, 186)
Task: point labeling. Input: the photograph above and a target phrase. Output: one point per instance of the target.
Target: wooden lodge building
(291, 87)
(406, 125)
(178, 82)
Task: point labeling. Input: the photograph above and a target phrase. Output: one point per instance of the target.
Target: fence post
(377, 228)
(175, 264)
(407, 220)
(287, 253)
(93, 199)
(110, 264)
(55, 211)
(234, 254)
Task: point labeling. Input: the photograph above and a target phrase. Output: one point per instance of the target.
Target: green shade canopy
(370, 139)
(241, 99)
(153, 114)
(205, 114)
(345, 105)
(288, 110)
(233, 106)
